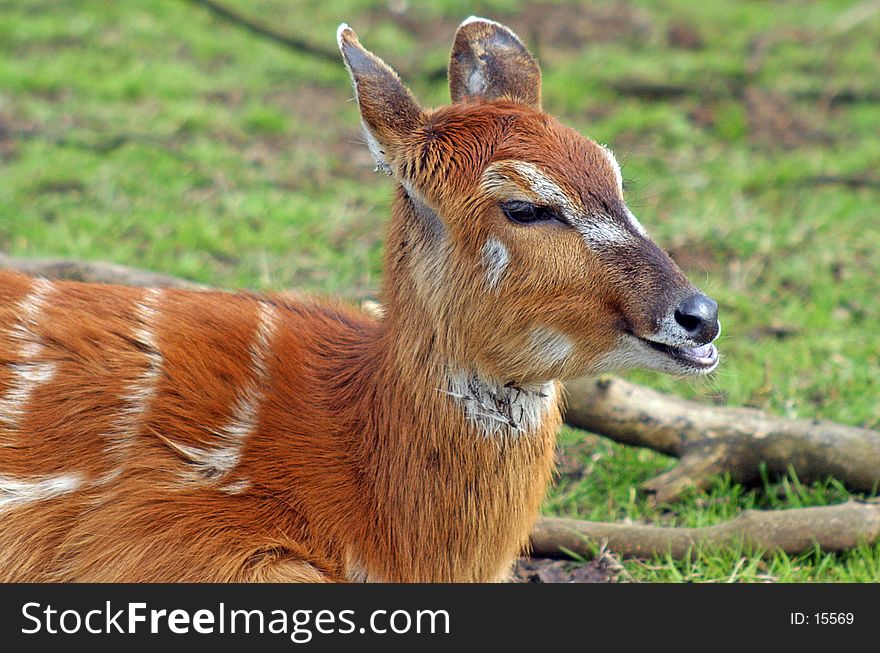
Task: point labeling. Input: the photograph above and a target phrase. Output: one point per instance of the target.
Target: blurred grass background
(153, 133)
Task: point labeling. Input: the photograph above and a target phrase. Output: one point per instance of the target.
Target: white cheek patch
(495, 259)
(498, 409)
(551, 346)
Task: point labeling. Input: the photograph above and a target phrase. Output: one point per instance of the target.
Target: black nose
(698, 316)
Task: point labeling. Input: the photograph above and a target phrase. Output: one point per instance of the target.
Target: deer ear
(489, 61)
(388, 110)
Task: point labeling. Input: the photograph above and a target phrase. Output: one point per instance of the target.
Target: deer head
(511, 231)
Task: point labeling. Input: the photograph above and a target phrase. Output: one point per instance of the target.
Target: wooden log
(831, 528)
(713, 440)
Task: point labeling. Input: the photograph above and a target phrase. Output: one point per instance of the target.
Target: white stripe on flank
(142, 389)
(28, 373)
(14, 492)
(216, 462)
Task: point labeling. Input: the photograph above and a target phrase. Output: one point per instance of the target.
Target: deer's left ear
(489, 61)
(388, 110)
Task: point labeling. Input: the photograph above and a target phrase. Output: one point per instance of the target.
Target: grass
(152, 134)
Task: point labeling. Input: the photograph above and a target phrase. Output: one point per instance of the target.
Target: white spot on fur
(14, 492)
(476, 83)
(498, 409)
(216, 462)
(495, 259)
(236, 487)
(551, 346)
(28, 373)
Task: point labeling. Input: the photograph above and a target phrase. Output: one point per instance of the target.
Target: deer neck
(451, 453)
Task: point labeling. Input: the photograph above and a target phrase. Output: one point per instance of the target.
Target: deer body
(208, 436)
(162, 435)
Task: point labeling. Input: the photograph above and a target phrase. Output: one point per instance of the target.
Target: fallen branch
(831, 528)
(713, 440)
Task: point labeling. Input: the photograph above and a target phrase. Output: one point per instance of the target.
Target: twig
(831, 528)
(862, 181)
(649, 90)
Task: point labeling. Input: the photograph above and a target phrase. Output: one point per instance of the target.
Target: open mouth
(704, 357)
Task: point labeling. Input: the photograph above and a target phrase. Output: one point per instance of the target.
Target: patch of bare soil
(542, 24)
(574, 25)
(544, 570)
(684, 36)
(773, 119)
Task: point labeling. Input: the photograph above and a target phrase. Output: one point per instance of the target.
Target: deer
(158, 434)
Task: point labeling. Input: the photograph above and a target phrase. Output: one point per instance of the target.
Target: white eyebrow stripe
(596, 229)
(540, 184)
(544, 187)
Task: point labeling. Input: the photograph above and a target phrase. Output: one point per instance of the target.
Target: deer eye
(528, 213)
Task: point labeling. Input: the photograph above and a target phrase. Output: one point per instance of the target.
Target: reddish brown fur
(358, 463)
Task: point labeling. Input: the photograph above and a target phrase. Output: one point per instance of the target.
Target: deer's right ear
(489, 61)
(388, 110)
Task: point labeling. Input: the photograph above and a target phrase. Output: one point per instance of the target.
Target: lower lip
(702, 357)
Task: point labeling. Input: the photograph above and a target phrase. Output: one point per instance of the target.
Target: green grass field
(151, 133)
